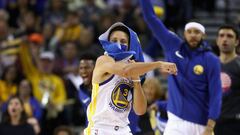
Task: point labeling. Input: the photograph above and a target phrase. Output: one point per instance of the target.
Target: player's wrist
(209, 128)
(210, 124)
(160, 64)
(136, 80)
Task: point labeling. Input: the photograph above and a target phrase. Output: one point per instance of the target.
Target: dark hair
(232, 27)
(6, 116)
(62, 128)
(70, 42)
(30, 84)
(5, 71)
(72, 13)
(88, 56)
(120, 28)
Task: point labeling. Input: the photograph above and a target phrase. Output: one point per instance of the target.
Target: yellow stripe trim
(92, 107)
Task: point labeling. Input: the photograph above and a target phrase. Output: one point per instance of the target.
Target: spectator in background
(31, 105)
(68, 31)
(197, 87)
(17, 9)
(86, 66)
(29, 24)
(157, 111)
(1, 67)
(4, 16)
(208, 5)
(55, 12)
(148, 41)
(90, 12)
(9, 43)
(63, 130)
(114, 3)
(68, 64)
(76, 4)
(35, 43)
(47, 32)
(141, 28)
(15, 119)
(3, 3)
(48, 88)
(35, 124)
(107, 18)
(124, 12)
(8, 83)
(227, 41)
(178, 13)
(87, 43)
(4, 31)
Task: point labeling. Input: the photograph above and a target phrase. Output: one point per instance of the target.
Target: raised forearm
(153, 22)
(167, 40)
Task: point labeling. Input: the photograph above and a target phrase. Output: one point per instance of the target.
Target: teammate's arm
(215, 93)
(167, 39)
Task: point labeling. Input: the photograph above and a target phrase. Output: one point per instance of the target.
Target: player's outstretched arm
(106, 64)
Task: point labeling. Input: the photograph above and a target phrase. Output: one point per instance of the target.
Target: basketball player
(195, 93)
(116, 83)
(227, 41)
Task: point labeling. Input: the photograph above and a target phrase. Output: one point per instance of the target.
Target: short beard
(197, 46)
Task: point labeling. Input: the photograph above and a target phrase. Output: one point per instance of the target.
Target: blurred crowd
(41, 45)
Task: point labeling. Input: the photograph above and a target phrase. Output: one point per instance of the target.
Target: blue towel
(117, 51)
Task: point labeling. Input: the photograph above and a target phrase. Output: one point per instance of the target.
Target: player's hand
(33, 121)
(208, 131)
(169, 68)
(134, 77)
(152, 107)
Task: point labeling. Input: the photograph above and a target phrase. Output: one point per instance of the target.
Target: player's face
(119, 37)
(226, 41)
(85, 70)
(193, 37)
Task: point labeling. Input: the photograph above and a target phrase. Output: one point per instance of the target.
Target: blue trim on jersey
(106, 81)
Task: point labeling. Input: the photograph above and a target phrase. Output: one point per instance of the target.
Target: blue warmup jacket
(195, 93)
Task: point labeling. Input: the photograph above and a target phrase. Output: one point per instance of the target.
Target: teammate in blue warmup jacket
(195, 93)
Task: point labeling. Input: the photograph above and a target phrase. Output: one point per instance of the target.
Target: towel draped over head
(118, 52)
